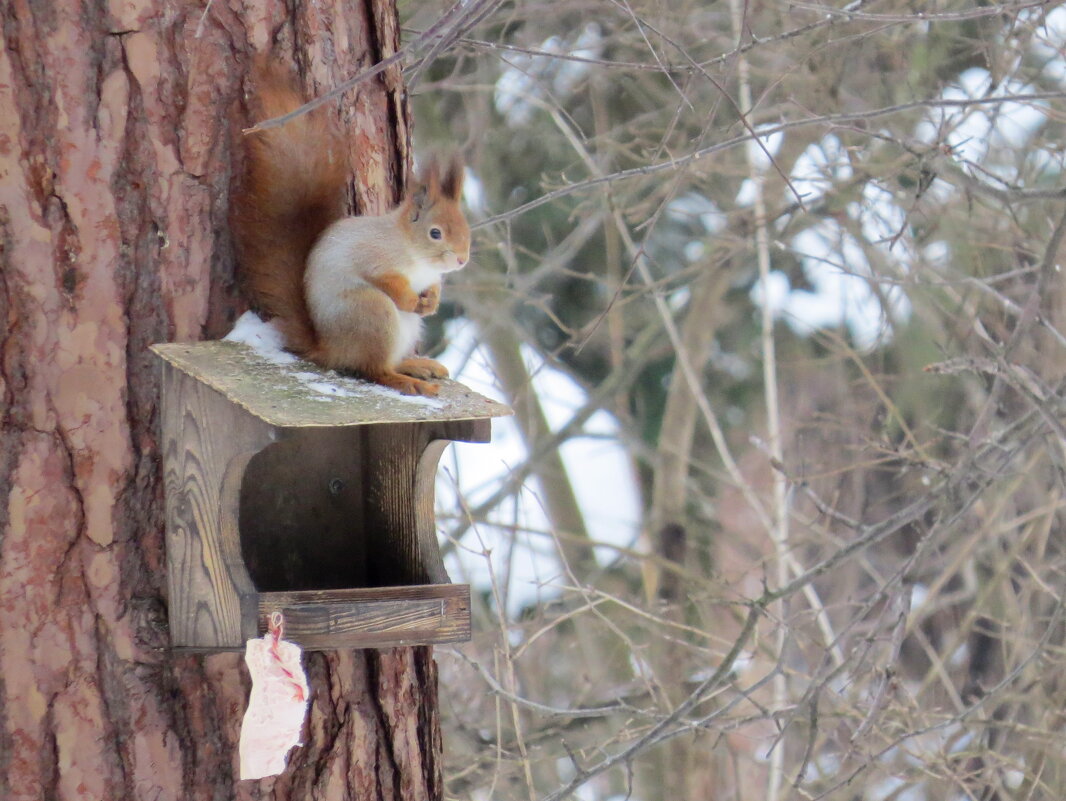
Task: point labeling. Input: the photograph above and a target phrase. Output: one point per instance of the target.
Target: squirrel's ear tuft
(426, 190)
(429, 178)
(451, 183)
(416, 202)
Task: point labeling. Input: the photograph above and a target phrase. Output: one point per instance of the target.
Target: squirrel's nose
(461, 260)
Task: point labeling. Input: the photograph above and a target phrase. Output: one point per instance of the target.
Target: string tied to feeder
(275, 628)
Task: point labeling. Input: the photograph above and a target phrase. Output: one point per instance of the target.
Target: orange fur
(398, 288)
(428, 301)
(294, 187)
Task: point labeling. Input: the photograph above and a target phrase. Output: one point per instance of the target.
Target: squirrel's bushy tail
(294, 186)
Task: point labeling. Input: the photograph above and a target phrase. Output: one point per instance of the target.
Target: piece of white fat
(276, 708)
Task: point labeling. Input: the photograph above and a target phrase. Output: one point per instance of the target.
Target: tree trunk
(118, 131)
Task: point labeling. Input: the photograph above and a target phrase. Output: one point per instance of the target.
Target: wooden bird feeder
(292, 490)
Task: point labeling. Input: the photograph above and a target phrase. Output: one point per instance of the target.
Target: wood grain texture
(207, 442)
(371, 618)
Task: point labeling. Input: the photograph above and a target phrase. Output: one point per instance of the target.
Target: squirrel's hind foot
(418, 367)
(405, 384)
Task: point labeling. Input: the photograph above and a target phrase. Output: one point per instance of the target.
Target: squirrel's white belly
(422, 275)
(407, 334)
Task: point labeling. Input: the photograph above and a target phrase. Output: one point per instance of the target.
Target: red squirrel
(348, 293)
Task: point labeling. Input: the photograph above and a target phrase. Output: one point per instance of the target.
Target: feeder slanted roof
(300, 394)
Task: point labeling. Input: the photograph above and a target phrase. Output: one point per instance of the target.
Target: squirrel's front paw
(428, 301)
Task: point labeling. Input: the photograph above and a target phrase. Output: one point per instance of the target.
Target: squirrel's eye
(435, 233)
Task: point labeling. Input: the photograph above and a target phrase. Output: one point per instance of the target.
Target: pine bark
(119, 133)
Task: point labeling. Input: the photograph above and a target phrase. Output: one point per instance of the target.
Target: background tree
(835, 357)
(119, 127)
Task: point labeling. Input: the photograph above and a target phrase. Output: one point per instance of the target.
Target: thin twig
(769, 130)
(454, 19)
